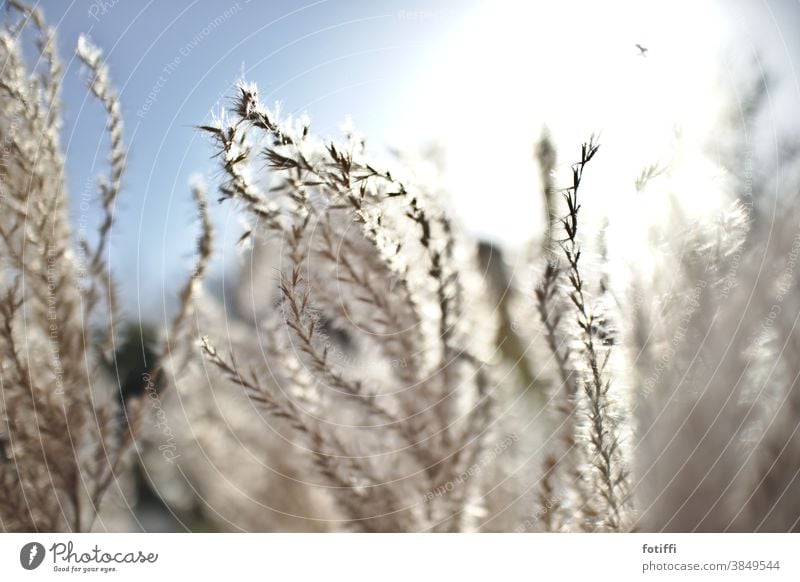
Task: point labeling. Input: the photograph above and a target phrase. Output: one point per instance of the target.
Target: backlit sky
(479, 78)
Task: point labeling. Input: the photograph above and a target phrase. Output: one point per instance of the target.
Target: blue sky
(174, 62)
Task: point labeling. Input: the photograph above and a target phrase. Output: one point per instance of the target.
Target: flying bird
(642, 49)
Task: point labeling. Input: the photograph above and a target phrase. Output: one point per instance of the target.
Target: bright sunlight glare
(576, 64)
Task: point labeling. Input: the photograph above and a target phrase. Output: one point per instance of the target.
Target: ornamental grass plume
(65, 430)
(365, 255)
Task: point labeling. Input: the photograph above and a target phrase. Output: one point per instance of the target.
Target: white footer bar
(401, 557)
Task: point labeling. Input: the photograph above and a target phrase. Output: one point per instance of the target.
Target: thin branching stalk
(604, 449)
